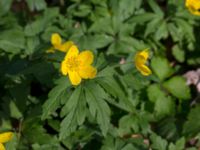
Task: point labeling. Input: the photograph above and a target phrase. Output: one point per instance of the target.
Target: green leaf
(128, 122)
(161, 67)
(175, 32)
(161, 32)
(5, 6)
(15, 112)
(178, 53)
(186, 28)
(155, 7)
(178, 88)
(158, 143)
(167, 128)
(99, 26)
(36, 4)
(55, 96)
(192, 125)
(41, 23)
(9, 42)
(164, 106)
(99, 109)
(179, 145)
(127, 8)
(112, 143)
(152, 26)
(95, 41)
(75, 111)
(107, 71)
(34, 131)
(82, 10)
(32, 43)
(142, 18)
(34, 28)
(113, 88)
(155, 92)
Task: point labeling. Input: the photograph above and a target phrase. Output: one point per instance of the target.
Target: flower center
(73, 63)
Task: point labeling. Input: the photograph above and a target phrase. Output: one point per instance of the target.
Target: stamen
(73, 63)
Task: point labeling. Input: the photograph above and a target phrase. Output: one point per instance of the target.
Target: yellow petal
(5, 137)
(64, 68)
(93, 73)
(144, 54)
(193, 6)
(141, 57)
(139, 60)
(144, 70)
(86, 72)
(86, 57)
(194, 12)
(74, 77)
(65, 46)
(2, 147)
(56, 40)
(73, 52)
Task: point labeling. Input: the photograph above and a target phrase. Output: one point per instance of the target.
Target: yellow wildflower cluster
(5, 137)
(78, 66)
(193, 6)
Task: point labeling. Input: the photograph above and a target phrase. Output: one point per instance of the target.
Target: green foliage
(117, 110)
(161, 67)
(193, 122)
(177, 87)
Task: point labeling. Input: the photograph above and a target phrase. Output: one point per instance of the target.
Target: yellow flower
(193, 6)
(56, 41)
(78, 65)
(5, 137)
(140, 59)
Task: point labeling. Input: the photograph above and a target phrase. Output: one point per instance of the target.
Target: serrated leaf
(128, 122)
(82, 10)
(154, 91)
(142, 18)
(167, 128)
(178, 53)
(179, 145)
(14, 111)
(161, 67)
(152, 26)
(164, 106)
(177, 87)
(107, 71)
(55, 96)
(155, 7)
(161, 32)
(73, 116)
(192, 125)
(175, 32)
(158, 143)
(186, 28)
(127, 8)
(9, 42)
(113, 88)
(99, 26)
(76, 101)
(99, 109)
(36, 4)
